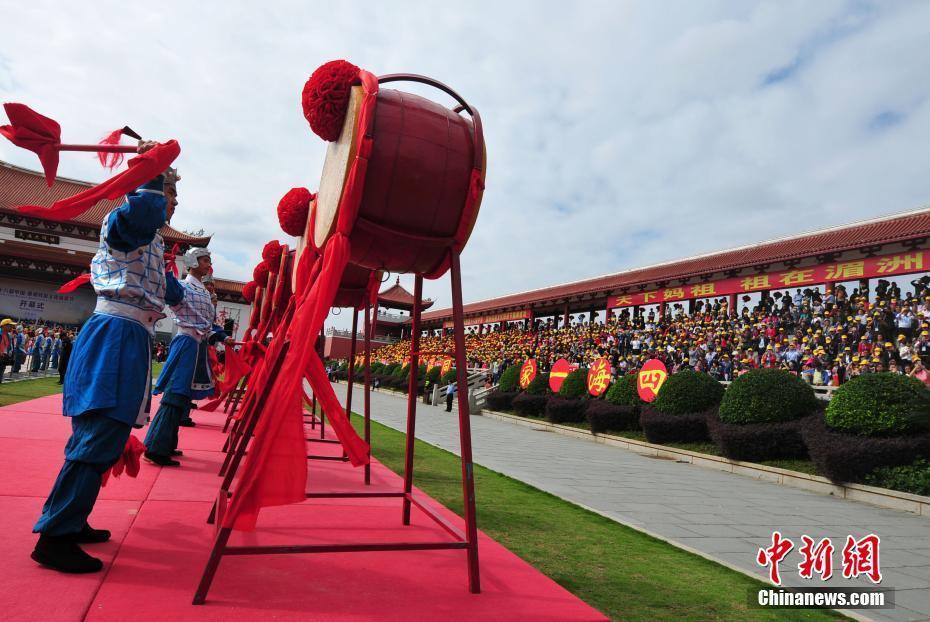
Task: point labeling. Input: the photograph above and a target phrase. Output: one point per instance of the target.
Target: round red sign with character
(527, 373)
(557, 376)
(598, 377)
(650, 379)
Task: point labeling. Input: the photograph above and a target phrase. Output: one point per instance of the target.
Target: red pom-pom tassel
(248, 291)
(271, 253)
(325, 97)
(293, 209)
(260, 274)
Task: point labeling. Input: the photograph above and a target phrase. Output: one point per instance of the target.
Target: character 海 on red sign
(861, 557)
(527, 373)
(599, 377)
(650, 379)
(446, 366)
(817, 559)
(774, 554)
(557, 375)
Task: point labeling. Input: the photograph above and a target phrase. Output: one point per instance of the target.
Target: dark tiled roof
(20, 186)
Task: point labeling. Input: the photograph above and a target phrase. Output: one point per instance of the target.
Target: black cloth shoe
(188, 423)
(177, 452)
(161, 460)
(63, 554)
(89, 535)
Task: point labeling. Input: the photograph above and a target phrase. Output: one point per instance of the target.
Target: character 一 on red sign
(650, 379)
(557, 375)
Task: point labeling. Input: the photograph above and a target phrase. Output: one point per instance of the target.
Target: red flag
(74, 283)
(37, 133)
(142, 168)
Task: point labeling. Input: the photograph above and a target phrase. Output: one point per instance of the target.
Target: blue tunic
(106, 384)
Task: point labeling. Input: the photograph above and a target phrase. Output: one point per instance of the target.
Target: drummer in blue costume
(108, 377)
(186, 374)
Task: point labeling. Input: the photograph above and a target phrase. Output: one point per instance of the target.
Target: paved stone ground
(722, 516)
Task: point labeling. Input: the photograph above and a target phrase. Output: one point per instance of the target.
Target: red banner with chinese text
(868, 268)
(512, 316)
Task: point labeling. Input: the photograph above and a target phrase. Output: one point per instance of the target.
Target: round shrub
(879, 405)
(449, 377)
(623, 392)
(510, 380)
(539, 385)
(575, 385)
(767, 396)
(688, 392)
(433, 375)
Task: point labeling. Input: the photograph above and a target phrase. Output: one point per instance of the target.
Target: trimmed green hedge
(433, 375)
(510, 380)
(623, 392)
(575, 384)
(539, 385)
(879, 405)
(913, 478)
(767, 396)
(449, 376)
(688, 392)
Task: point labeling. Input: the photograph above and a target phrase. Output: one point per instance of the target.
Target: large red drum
(422, 185)
(353, 287)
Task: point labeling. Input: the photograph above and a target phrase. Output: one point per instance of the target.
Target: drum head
(339, 155)
(302, 243)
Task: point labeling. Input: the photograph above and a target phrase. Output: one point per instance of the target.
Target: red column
(565, 316)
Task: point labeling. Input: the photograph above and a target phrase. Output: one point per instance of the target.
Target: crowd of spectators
(825, 336)
(34, 349)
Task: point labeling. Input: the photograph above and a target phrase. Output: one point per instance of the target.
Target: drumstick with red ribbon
(41, 135)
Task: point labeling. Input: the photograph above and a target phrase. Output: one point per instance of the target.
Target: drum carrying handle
(463, 105)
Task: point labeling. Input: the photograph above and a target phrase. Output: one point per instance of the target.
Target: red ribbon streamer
(128, 460)
(142, 169)
(74, 283)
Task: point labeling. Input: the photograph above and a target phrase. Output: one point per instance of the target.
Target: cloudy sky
(619, 134)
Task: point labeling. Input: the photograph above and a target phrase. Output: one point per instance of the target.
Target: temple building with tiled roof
(37, 256)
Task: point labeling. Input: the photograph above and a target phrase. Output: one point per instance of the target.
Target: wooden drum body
(422, 182)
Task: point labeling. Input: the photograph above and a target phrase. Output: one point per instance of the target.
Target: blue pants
(162, 437)
(95, 445)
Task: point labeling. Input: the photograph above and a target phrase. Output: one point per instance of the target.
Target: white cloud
(619, 134)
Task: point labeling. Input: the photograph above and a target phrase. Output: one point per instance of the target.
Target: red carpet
(161, 542)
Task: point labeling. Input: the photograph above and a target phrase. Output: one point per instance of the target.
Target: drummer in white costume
(187, 355)
(106, 384)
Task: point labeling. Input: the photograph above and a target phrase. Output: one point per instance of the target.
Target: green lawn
(620, 571)
(13, 392)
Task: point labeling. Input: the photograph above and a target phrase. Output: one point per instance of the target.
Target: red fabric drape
(142, 169)
(74, 283)
(128, 461)
(233, 371)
